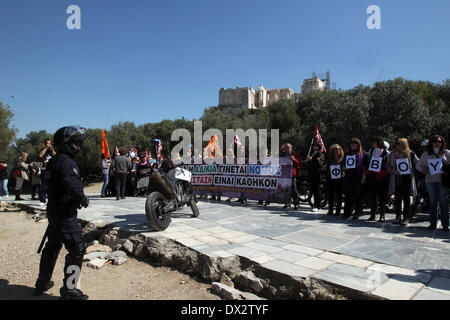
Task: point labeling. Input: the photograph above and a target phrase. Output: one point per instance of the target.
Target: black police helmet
(69, 139)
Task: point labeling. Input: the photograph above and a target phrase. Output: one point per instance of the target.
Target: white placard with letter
(336, 172)
(350, 162)
(375, 164)
(403, 166)
(435, 166)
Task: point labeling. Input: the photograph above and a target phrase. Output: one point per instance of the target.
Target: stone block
(345, 280)
(95, 255)
(371, 275)
(341, 258)
(224, 279)
(289, 268)
(426, 294)
(401, 274)
(397, 290)
(263, 259)
(262, 247)
(289, 256)
(211, 240)
(225, 291)
(315, 263)
(246, 252)
(249, 296)
(119, 260)
(302, 249)
(128, 246)
(98, 247)
(248, 279)
(97, 263)
(116, 254)
(244, 239)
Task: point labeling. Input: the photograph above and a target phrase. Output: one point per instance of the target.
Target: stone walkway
(381, 259)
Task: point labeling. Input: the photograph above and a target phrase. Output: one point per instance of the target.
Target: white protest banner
(336, 172)
(403, 166)
(350, 162)
(375, 164)
(435, 166)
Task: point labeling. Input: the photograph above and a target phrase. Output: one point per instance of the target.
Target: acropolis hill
(247, 97)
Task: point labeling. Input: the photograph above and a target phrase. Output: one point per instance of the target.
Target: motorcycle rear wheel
(303, 191)
(153, 206)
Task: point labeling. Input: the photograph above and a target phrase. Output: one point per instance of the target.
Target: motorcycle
(421, 203)
(305, 194)
(168, 192)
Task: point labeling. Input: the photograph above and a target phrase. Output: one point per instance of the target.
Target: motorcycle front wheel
(153, 210)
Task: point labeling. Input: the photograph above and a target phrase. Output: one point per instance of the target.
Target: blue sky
(146, 61)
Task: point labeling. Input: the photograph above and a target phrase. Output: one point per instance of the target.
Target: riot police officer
(65, 196)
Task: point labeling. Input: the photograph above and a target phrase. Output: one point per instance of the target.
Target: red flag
(105, 147)
(319, 140)
(237, 141)
(132, 152)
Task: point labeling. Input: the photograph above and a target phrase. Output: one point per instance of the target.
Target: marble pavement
(382, 259)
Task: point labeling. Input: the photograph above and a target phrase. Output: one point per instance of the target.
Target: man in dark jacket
(316, 164)
(65, 196)
(121, 165)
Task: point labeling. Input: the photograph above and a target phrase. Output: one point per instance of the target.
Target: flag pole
(310, 146)
(312, 140)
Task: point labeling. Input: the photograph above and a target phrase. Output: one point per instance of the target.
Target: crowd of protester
(361, 183)
(23, 171)
(351, 187)
(379, 182)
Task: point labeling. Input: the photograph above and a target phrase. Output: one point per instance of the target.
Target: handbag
(446, 175)
(25, 175)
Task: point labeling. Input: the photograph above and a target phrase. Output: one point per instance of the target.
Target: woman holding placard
(335, 178)
(431, 163)
(375, 177)
(402, 184)
(352, 179)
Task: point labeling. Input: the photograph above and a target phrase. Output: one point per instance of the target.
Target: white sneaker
(42, 204)
(315, 209)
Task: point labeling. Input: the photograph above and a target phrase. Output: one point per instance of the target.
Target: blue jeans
(438, 194)
(105, 183)
(4, 188)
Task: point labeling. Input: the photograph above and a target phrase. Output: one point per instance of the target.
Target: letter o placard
(403, 166)
(350, 162)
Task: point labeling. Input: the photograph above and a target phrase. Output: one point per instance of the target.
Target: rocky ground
(134, 280)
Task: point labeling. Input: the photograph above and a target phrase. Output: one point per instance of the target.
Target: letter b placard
(375, 164)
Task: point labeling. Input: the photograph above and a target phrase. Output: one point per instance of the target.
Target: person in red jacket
(287, 151)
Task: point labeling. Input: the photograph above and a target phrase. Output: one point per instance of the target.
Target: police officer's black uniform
(65, 196)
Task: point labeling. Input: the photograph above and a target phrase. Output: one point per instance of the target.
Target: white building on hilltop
(247, 97)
